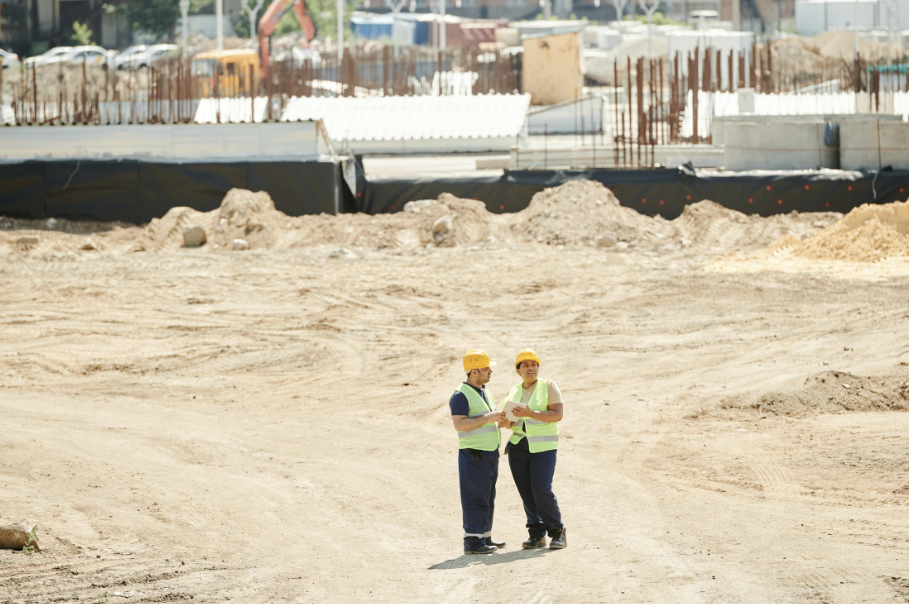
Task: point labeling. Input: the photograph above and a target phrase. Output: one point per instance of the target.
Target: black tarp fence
(664, 192)
(135, 191)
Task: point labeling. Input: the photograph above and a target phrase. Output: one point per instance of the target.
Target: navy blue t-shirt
(459, 403)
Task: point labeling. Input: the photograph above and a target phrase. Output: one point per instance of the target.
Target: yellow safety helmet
(526, 355)
(477, 359)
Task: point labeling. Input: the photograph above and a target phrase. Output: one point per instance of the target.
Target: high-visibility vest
(541, 436)
(487, 437)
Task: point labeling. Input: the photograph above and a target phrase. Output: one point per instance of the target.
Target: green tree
(157, 17)
(241, 27)
(82, 35)
(324, 14)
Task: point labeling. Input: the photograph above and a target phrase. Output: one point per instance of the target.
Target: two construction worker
(531, 450)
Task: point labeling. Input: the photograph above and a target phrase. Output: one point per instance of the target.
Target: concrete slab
(865, 146)
(777, 145)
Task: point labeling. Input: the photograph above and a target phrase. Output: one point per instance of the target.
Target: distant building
(513, 10)
(816, 16)
(758, 16)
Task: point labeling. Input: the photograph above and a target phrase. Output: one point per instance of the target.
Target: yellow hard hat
(477, 359)
(526, 355)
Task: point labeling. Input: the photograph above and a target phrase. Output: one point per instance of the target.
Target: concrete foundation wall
(778, 146)
(225, 141)
(865, 146)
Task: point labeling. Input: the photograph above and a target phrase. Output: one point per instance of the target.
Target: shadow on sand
(489, 559)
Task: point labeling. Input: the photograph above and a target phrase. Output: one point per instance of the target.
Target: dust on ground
(272, 424)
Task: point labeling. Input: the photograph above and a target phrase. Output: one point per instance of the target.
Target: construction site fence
(652, 102)
(170, 91)
(137, 190)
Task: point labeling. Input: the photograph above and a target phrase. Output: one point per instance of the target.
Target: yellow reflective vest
(541, 436)
(487, 437)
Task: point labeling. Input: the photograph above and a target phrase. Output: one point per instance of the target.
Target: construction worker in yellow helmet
(474, 415)
(532, 450)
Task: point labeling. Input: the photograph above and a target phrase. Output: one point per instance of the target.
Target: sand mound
(242, 215)
(799, 54)
(827, 392)
(57, 235)
(709, 225)
(841, 44)
(577, 213)
(866, 234)
(253, 218)
(582, 211)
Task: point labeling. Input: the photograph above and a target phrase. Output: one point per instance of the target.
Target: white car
(150, 56)
(50, 55)
(8, 59)
(122, 60)
(91, 55)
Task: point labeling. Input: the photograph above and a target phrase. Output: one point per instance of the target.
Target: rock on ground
(15, 536)
(194, 236)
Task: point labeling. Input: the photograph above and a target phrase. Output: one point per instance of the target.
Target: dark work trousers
(532, 474)
(478, 471)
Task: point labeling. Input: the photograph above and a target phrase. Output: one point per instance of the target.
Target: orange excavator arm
(269, 22)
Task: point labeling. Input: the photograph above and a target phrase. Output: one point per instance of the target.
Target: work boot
(489, 541)
(558, 540)
(534, 543)
(483, 549)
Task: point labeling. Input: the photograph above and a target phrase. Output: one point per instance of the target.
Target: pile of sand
(827, 392)
(54, 235)
(796, 56)
(587, 213)
(577, 213)
(866, 234)
(710, 226)
(841, 44)
(584, 212)
(252, 217)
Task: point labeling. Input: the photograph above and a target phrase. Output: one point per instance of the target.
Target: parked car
(52, 54)
(151, 55)
(8, 59)
(121, 61)
(91, 55)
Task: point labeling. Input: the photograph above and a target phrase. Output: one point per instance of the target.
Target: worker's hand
(495, 416)
(522, 412)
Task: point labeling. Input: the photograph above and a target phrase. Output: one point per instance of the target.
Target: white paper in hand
(509, 407)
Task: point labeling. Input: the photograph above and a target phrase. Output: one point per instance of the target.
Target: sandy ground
(272, 425)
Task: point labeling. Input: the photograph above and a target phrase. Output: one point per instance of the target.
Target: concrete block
(871, 146)
(795, 145)
(746, 100)
(719, 123)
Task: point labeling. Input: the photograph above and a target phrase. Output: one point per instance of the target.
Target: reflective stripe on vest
(541, 436)
(481, 430)
(487, 437)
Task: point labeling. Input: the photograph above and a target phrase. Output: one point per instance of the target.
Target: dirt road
(272, 426)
